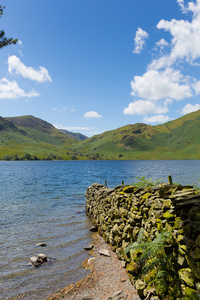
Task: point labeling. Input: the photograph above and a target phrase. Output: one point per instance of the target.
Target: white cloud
(59, 126)
(15, 66)
(59, 109)
(156, 85)
(182, 6)
(143, 107)
(156, 119)
(190, 108)
(11, 90)
(19, 43)
(72, 110)
(196, 87)
(162, 43)
(139, 40)
(92, 115)
(185, 38)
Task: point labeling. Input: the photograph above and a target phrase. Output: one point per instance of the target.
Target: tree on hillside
(4, 41)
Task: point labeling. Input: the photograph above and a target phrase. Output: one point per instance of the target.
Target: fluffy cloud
(185, 38)
(190, 108)
(143, 107)
(139, 40)
(196, 87)
(163, 82)
(156, 119)
(156, 85)
(15, 66)
(182, 6)
(92, 115)
(11, 90)
(161, 44)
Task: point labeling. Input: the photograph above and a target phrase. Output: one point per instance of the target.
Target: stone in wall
(127, 214)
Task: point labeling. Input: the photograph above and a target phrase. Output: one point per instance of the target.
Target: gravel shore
(107, 280)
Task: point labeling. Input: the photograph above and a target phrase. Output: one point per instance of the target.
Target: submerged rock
(40, 259)
(41, 245)
(89, 247)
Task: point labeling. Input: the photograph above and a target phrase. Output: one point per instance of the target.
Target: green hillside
(24, 135)
(177, 139)
(29, 137)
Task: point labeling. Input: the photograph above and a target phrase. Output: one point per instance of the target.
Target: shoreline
(106, 279)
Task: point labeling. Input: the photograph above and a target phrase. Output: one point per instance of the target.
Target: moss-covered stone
(182, 249)
(129, 189)
(181, 260)
(186, 276)
(132, 268)
(191, 294)
(140, 286)
(167, 215)
(122, 212)
(178, 223)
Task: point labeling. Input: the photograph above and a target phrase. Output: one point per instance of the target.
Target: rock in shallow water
(40, 259)
(41, 245)
(89, 247)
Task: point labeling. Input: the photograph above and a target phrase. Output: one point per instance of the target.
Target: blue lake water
(44, 201)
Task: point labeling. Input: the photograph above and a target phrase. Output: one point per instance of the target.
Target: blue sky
(95, 65)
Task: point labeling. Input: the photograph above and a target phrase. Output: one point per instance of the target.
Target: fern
(135, 245)
(161, 282)
(155, 261)
(151, 248)
(145, 182)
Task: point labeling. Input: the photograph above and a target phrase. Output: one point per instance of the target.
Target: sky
(91, 66)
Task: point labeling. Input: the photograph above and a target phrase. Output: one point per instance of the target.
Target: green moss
(146, 196)
(180, 238)
(122, 193)
(159, 225)
(129, 189)
(186, 276)
(132, 268)
(167, 215)
(182, 249)
(191, 294)
(178, 223)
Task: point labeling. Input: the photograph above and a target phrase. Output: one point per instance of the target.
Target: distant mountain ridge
(176, 139)
(75, 135)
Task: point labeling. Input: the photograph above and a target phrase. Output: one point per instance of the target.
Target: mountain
(177, 139)
(29, 137)
(27, 134)
(74, 135)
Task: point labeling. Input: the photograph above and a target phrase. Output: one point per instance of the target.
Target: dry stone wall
(127, 215)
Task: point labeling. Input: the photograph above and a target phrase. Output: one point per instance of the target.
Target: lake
(43, 201)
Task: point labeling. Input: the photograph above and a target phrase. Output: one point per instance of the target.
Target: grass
(177, 139)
